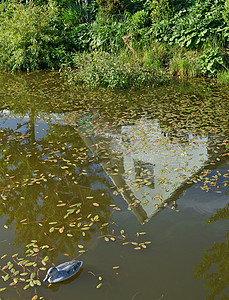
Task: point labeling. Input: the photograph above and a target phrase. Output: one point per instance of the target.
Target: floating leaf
(30, 264)
(26, 287)
(5, 278)
(13, 283)
(85, 228)
(46, 258)
(61, 230)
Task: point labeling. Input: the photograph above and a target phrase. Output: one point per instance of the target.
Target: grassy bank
(117, 43)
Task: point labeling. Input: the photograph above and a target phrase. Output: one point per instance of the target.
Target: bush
(211, 62)
(79, 38)
(226, 11)
(106, 35)
(29, 37)
(160, 10)
(140, 20)
(193, 27)
(112, 7)
(103, 69)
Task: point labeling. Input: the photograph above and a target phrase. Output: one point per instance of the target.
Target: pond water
(133, 183)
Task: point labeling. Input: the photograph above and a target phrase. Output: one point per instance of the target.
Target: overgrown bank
(117, 43)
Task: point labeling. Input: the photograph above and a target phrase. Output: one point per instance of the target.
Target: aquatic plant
(103, 69)
(25, 271)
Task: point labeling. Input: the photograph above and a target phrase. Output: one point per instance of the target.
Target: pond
(133, 183)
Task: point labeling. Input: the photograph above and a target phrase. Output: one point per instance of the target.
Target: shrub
(112, 7)
(211, 62)
(160, 10)
(106, 35)
(193, 27)
(103, 69)
(136, 5)
(29, 37)
(140, 19)
(226, 11)
(79, 37)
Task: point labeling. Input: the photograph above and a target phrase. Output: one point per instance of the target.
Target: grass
(184, 64)
(223, 77)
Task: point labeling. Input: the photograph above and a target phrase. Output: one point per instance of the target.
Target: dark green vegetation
(59, 203)
(132, 42)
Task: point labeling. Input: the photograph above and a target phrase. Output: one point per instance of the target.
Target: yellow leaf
(61, 230)
(137, 248)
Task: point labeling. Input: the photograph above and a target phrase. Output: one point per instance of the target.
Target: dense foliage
(193, 35)
(110, 71)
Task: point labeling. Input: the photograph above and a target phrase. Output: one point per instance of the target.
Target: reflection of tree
(214, 268)
(215, 262)
(38, 175)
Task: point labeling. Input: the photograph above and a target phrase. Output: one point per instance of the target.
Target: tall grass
(184, 64)
(223, 77)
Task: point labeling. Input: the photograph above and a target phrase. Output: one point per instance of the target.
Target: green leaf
(5, 278)
(51, 229)
(26, 287)
(46, 258)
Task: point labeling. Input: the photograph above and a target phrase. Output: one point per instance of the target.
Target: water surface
(134, 183)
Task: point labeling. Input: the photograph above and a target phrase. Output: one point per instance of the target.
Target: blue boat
(63, 271)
